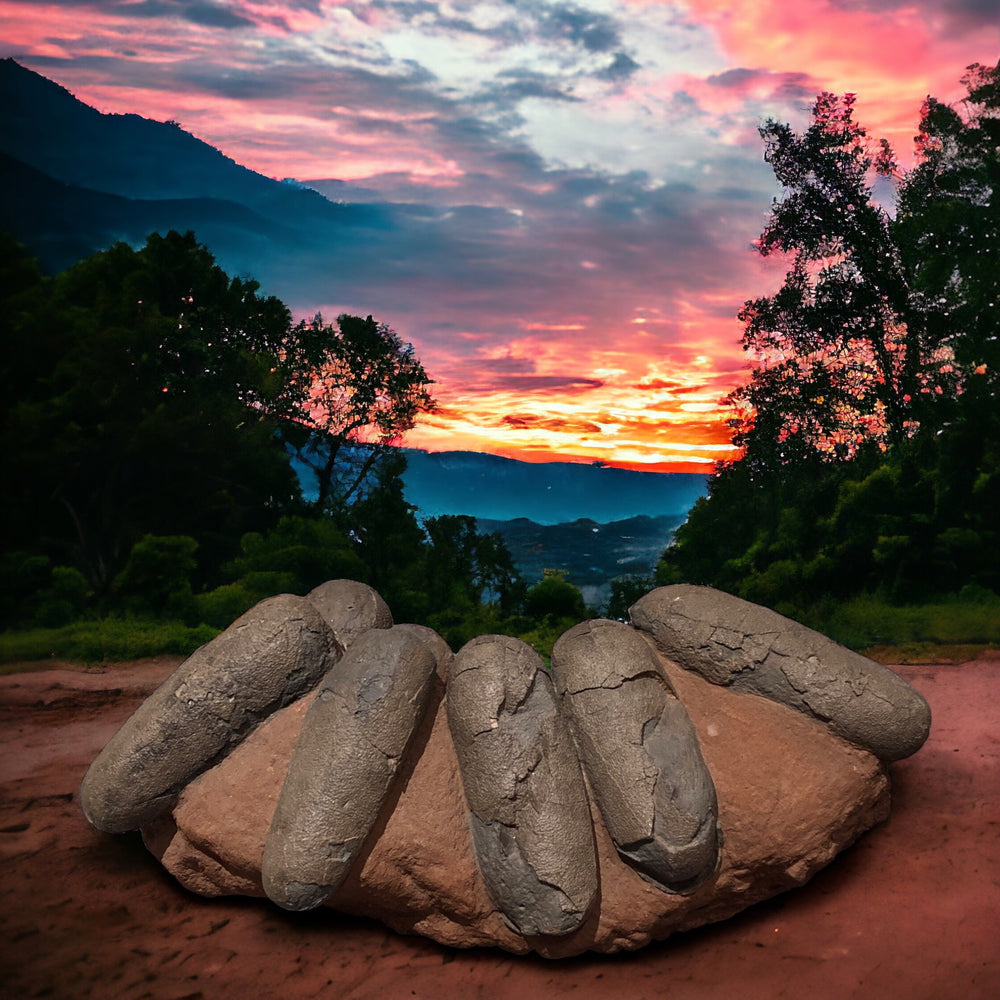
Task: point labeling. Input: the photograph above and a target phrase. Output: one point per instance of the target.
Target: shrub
(555, 598)
(157, 577)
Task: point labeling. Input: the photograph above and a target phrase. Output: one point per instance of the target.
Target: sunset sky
(576, 184)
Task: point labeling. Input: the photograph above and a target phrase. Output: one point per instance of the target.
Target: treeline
(152, 408)
(870, 466)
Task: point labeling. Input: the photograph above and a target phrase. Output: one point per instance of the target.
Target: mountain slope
(63, 223)
(502, 489)
(45, 126)
(75, 180)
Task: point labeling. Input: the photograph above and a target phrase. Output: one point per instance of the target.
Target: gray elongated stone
(354, 738)
(750, 648)
(266, 659)
(529, 815)
(640, 753)
(350, 608)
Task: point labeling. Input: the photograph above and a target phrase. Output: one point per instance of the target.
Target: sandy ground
(911, 911)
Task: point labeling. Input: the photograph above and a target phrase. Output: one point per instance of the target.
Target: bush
(222, 606)
(555, 598)
(109, 640)
(157, 577)
(869, 621)
(305, 551)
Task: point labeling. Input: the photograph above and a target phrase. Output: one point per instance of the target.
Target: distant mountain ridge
(74, 180)
(588, 554)
(592, 523)
(501, 489)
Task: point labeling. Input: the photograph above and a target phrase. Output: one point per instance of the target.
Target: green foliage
(866, 621)
(156, 579)
(625, 591)
(63, 600)
(107, 640)
(880, 537)
(33, 591)
(554, 599)
(305, 551)
(144, 388)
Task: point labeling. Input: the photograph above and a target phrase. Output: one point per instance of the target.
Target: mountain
(589, 554)
(502, 489)
(73, 180)
(591, 522)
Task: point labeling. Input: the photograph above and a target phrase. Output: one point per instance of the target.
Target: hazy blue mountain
(62, 223)
(502, 489)
(345, 247)
(74, 180)
(589, 554)
(45, 126)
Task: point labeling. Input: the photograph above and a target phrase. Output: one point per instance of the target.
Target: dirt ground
(912, 910)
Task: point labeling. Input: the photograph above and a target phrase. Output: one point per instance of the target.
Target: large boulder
(791, 794)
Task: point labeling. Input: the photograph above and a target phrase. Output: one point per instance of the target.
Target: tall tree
(366, 389)
(147, 392)
(948, 228)
(141, 401)
(838, 361)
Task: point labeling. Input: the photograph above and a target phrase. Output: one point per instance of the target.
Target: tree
(145, 389)
(149, 393)
(366, 390)
(948, 229)
(880, 350)
(840, 361)
(554, 598)
(466, 567)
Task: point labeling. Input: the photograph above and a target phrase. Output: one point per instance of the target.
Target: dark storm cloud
(590, 30)
(958, 16)
(203, 12)
(787, 85)
(621, 67)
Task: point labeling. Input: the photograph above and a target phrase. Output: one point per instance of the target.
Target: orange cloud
(891, 58)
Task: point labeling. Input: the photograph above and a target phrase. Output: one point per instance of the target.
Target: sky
(576, 184)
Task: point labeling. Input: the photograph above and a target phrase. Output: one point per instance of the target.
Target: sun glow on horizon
(557, 209)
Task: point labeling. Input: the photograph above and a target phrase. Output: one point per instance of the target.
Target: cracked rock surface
(266, 659)
(640, 753)
(350, 608)
(463, 812)
(529, 817)
(353, 739)
(752, 649)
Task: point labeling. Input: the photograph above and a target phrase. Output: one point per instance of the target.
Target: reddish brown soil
(913, 910)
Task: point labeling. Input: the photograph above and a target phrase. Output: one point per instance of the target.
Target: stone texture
(350, 608)
(266, 659)
(752, 649)
(640, 753)
(353, 740)
(528, 809)
(791, 794)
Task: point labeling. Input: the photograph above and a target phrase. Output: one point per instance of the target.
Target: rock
(640, 753)
(266, 659)
(350, 608)
(750, 648)
(353, 739)
(528, 809)
(791, 795)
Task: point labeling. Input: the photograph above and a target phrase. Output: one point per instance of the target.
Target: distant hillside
(589, 554)
(502, 489)
(74, 180)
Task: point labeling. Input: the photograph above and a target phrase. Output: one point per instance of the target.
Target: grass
(107, 640)
(939, 632)
(950, 631)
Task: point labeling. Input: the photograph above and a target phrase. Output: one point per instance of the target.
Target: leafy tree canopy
(869, 426)
(149, 393)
